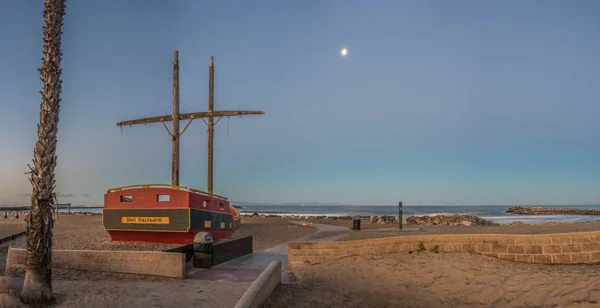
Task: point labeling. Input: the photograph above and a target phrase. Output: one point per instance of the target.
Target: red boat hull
(171, 215)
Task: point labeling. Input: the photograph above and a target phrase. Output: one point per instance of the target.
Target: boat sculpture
(169, 213)
(163, 213)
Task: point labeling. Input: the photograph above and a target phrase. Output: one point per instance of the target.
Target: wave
(297, 214)
(448, 213)
(264, 212)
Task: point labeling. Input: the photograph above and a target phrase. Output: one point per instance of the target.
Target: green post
(400, 214)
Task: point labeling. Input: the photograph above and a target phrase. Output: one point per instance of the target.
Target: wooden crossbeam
(189, 116)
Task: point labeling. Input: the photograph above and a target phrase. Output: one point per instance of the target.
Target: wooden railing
(184, 188)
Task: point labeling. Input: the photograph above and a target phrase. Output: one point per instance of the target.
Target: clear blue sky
(437, 102)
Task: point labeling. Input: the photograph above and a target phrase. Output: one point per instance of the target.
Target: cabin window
(204, 203)
(207, 224)
(222, 225)
(126, 198)
(163, 198)
(230, 225)
(221, 206)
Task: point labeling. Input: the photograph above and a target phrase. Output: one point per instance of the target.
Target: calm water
(494, 213)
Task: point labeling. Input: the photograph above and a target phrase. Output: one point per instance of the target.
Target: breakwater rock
(385, 219)
(446, 220)
(550, 211)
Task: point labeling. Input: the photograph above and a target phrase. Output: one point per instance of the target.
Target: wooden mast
(176, 117)
(175, 129)
(211, 123)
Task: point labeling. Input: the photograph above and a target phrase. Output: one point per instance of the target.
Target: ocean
(496, 214)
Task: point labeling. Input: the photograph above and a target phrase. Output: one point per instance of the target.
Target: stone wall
(131, 262)
(566, 248)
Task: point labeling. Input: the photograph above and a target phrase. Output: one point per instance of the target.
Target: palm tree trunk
(37, 287)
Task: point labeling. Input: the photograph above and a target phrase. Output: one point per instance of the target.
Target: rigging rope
(228, 127)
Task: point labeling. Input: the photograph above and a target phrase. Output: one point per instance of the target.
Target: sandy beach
(11, 226)
(442, 280)
(430, 280)
(391, 280)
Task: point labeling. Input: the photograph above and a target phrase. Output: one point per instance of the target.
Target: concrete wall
(565, 248)
(262, 287)
(132, 262)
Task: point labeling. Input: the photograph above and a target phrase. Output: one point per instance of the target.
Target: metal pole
(400, 214)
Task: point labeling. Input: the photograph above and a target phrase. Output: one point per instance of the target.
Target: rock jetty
(550, 211)
(446, 220)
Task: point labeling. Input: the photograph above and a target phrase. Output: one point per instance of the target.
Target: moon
(344, 52)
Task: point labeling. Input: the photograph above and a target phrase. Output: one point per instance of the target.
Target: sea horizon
(494, 213)
(236, 203)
